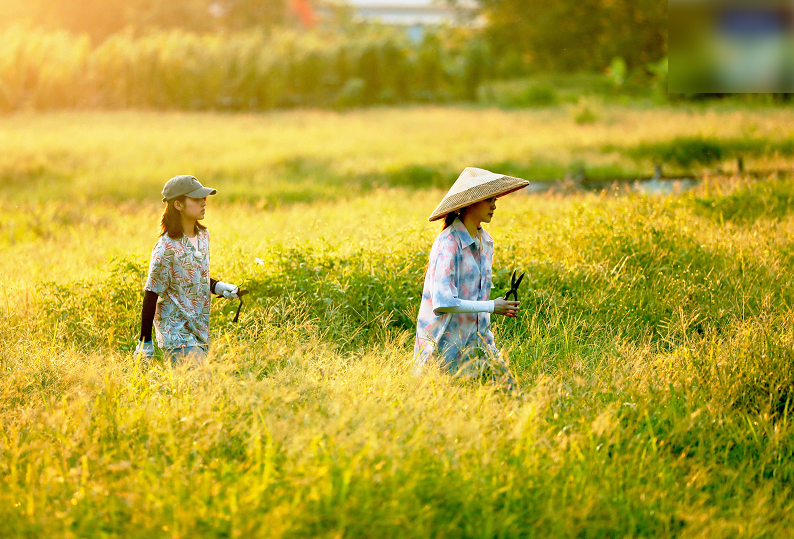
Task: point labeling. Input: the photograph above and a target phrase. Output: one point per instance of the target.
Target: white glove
(467, 306)
(228, 291)
(144, 350)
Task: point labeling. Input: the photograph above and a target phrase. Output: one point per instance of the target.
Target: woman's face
(482, 211)
(193, 208)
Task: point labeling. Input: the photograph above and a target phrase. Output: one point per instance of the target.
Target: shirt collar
(187, 244)
(464, 238)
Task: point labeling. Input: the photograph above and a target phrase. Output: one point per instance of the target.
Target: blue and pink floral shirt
(180, 274)
(458, 269)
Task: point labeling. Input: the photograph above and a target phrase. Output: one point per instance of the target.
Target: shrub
(585, 116)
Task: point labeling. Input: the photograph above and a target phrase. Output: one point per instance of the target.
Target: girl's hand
(228, 291)
(506, 308)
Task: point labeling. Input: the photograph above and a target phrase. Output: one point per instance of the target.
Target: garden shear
(514, 286)
(240, 294)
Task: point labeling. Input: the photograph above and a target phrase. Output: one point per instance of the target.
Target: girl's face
(482, 211)
(193, 208)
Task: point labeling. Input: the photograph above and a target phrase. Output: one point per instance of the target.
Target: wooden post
(657, 171)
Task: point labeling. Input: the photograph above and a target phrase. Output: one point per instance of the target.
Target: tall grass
(654, 351)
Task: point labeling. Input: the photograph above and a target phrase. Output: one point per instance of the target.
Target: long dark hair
(451, 216)
(171, 221)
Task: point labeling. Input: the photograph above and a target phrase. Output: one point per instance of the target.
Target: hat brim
(201, 192)
(494, 188)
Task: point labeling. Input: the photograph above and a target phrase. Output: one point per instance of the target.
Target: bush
(584, 115)
(659, 72)
(518, 94)
(352, 93)
(539, 96)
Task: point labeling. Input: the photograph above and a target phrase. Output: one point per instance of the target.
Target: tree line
(542, 34)
(254, 55)
(100, 19)
(574, 35)
(248, 70)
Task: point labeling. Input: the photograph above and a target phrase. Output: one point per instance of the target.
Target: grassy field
(655, 349)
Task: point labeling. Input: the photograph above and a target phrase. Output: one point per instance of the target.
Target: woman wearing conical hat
(453, 326)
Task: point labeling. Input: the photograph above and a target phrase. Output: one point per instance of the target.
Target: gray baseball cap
(185, 185)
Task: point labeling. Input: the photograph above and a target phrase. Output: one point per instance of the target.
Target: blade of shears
(519, 281)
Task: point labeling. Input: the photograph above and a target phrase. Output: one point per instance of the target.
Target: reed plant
(178, 70)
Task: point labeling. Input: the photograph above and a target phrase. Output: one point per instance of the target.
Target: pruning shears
(514, 286)
(240, 294)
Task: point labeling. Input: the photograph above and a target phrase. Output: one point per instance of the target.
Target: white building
(415, 15)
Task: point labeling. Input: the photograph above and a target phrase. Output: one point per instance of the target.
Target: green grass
(688, 151)
(655, 350)
(309, 156)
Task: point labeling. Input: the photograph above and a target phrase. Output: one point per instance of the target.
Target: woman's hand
(507, 308)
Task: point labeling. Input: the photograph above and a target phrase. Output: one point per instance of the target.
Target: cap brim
(497, 188)
(201, 192)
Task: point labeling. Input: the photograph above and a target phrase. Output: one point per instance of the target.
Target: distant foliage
(102, 18)
(659, 72)
(583, 35)
(238, 71)
(583, 115)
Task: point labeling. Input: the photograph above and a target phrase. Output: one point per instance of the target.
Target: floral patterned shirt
(457, 269)
(180, 275)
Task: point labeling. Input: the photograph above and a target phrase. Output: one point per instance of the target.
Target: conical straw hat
(474, 185)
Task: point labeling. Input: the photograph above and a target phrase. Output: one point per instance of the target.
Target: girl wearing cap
(453, 326)
(178, 288)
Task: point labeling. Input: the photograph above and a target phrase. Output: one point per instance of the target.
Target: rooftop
(411, 12)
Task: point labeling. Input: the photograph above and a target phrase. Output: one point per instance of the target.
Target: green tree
(578, 34)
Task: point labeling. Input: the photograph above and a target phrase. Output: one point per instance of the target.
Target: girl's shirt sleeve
(444, 289)
(159, 269)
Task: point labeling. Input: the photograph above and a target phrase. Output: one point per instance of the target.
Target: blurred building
(415, 15)
(743, 46)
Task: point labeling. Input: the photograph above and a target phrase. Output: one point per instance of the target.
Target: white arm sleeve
(467, 306)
